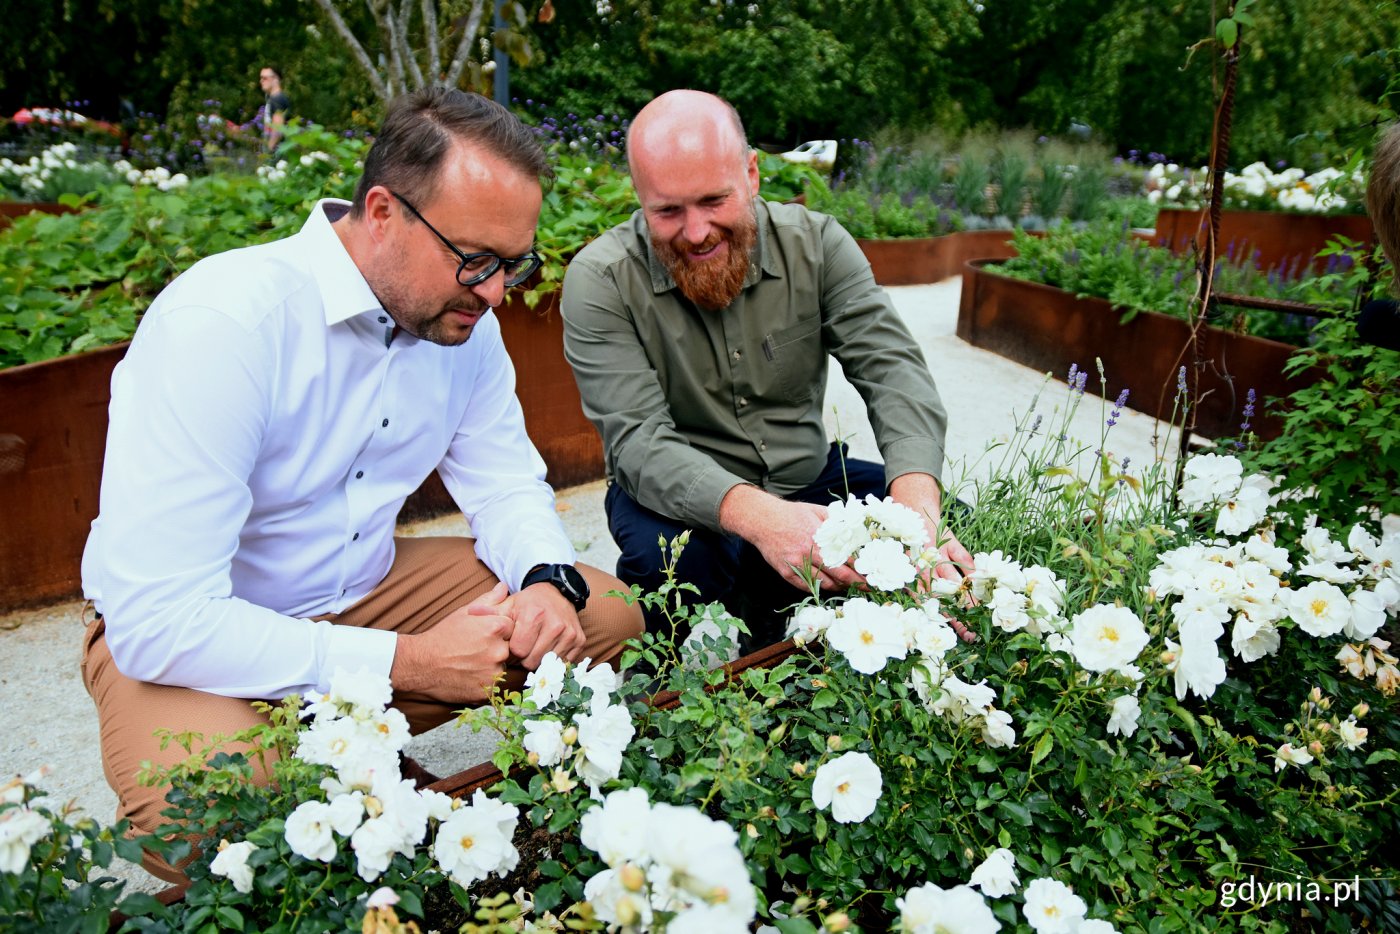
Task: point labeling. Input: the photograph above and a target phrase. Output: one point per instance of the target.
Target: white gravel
(52, 721)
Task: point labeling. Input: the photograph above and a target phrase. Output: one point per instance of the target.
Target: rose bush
(1167, 695)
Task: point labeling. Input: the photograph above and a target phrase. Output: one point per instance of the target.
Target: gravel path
(52, 720)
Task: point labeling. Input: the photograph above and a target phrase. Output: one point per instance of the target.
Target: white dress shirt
(266, 426)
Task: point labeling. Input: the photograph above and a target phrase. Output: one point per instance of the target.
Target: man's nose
(492, 289)
(697, 227)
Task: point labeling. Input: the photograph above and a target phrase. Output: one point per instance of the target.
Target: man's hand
(782, 532)
(459, 659)
(919, 491)
(544, 622)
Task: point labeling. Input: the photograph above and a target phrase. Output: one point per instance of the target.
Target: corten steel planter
(1048, 329)
(53, 432)
(920, 261)
(1282, 240)
(9, 210)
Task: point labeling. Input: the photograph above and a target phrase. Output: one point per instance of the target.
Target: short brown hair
(408, 153)
(1383, 193)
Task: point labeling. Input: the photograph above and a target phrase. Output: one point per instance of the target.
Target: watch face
(574, 581)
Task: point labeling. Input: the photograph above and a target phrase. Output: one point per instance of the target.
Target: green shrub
(1010, 170)
(1103, 259)
(1339, 449)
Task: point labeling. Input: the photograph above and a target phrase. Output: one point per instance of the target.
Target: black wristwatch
(563, 576)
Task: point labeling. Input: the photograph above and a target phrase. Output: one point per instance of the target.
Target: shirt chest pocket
(794, 358)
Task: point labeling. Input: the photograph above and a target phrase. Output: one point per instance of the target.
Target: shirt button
(383, 320)
(738, 354)
(355, 537)
(384, 424)
(359, 474)
(743, 402)
(762, 446)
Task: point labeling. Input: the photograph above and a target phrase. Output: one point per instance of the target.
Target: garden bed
(922, 260)
(1282, 240)
(12, 209)
(53, 433)
(1049, 329)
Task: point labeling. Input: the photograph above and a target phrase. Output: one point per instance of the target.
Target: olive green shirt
(691, 403)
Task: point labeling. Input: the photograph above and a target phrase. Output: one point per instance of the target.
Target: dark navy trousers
(726, 568)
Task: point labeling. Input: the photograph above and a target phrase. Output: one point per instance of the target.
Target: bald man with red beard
(699, 332)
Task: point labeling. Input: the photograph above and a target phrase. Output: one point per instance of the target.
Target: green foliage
(1105, 260)
(1339, 449)
(970, 180)
(781, 65)
(1011, 170)
(82, 280)
(889, 216)
(61, 886)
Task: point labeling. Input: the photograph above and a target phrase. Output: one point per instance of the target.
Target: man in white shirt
(277, 405)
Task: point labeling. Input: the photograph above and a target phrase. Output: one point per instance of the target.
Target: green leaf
(229, 918)
(548, 897)
(1014, 811)
(1043, 747)
(825, 698)
(1227, 31)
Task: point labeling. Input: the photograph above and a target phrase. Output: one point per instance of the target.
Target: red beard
(714, 283)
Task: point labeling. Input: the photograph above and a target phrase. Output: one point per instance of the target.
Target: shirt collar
(767, 260)
(344, 291)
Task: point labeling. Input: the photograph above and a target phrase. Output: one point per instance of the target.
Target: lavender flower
(1118, 408)
(1249, 398)
(1079, 382)
(1181, 380)
(1035, 425)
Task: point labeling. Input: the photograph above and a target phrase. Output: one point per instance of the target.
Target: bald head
(681, 126)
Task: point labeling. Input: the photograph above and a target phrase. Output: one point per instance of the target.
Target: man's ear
(380, 207)
(752, 172)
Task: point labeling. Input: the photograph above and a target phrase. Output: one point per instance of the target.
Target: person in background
(1379, 322)
(699, 332)
(276, 109)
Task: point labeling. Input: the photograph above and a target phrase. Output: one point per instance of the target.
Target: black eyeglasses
(476, 268)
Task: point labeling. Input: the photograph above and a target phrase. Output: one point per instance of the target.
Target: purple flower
(1035, 425)
(1181, 380)
(1079, 382)
(1118, 408)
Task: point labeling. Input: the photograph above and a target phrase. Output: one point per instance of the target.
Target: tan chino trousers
(430, 578)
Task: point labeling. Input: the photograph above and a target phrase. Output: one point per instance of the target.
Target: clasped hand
(459, 659)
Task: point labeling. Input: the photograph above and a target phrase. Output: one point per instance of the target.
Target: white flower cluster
(1211, 481)
(1371, 659)
(593, 741)
(869, 635)
(274, 173)
(1242, 583)
(1050, 906)
(33, 175)
(1317, 729)
(886, 539)
(22, 824)
(1020, 598)
(666, 864)
(1291, 189)
(370, 805)
(159, 177)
